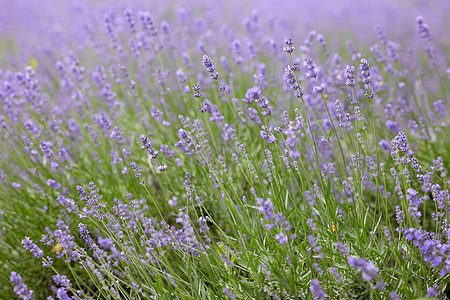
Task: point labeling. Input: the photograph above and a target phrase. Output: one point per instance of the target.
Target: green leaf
(327, 195)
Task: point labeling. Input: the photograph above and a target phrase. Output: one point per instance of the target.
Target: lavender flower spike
(289, 48)
(20, 288)
(316, 289)
(29, 245)
(207, 62)
(364, 67)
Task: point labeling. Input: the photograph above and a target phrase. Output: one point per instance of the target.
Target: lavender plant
(199, 151)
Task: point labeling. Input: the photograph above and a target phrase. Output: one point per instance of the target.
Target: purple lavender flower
(350, 75)
(317, 290)
(85, 235)
(173, 201)
(310, 65)
(393, 295)
(367, 268)
(20, 288)
(400, 142)
(161, 168)
(129, 17)
(340, 246)
(196, 89)
(46, 148)
(32, 247)
(369, 271)
(252, 94)
(380, 285)
(266, 207)
(148, 24)
(146, 144)
(423, 29)
(281, 238)
(336, 275)
(432, 292)
(289, 48)
(69, 204)
(364, 67)
(53, 184)
(228, 293)
(207, 62)
(312, 242)
(62, 280)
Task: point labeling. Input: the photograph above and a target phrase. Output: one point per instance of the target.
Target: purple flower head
(312, 242)
(368, 269)
(355, 262)
(20, 288)
(400, 142)
(423, 29)
(32, 247)
(290, 78)
(130, 21)
(105, 243)
(85, 235)
(350, 75)
(392, 125)
(266, 207)
(46, 148)
(439, 107)
(53, 184)
(432, 292)
(310, 65)
(289, 48)
(161, 168)
(47, 263)
(317, 290)
(340, 246)
(148, 24)
(364, 67)
(321, 40)
(281, 238)
(272, 139)
(207, 62)
(69, 204)
(336, 275)
(252, 94)
(146, 144)
(228, 293)
(393, 295)
(196, 89)
(62, 281)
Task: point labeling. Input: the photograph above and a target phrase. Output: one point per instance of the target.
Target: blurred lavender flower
(228, 293)
(266, 207)
(367, 268)
(350, 75)
(317, 290)
(20, 288)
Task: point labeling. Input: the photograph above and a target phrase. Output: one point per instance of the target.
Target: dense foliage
(172, 150)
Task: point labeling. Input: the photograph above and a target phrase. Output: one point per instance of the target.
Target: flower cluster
(308, 170)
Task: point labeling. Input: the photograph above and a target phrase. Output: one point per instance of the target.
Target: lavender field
(224, 149)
